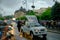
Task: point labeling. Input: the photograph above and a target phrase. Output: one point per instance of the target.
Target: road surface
(50, 36)
(53, 36)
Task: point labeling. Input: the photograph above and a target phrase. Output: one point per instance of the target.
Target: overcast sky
(7, 7)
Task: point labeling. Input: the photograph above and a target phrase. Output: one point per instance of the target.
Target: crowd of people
(51, 24)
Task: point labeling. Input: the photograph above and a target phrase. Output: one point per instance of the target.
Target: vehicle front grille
(42, 30)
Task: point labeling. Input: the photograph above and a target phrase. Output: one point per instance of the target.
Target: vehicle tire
(44, 38)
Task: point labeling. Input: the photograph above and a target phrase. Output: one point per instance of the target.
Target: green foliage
(45, 15)
(30, 12)
(1, 18)
(8, 17)
(56, 11)
(21, 18)
(38, 17)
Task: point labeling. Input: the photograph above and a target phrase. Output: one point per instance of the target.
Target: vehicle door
(28, 29)
(24, 28)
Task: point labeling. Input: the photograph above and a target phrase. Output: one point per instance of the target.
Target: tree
(30, 12)
(21, 18)
(8, 17)
(45, 15)
(55, 13)
(1, 17)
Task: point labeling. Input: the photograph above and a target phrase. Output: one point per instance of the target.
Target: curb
(54, 31)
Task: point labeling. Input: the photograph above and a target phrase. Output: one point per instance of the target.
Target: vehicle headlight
(36, 30)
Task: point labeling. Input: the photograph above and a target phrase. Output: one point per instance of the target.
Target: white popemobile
(33, 28)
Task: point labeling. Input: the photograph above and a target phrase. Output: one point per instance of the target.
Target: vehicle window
(28, 26)
(35, 25)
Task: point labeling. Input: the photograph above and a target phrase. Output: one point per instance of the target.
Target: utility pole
(26, 5)
(33, 4)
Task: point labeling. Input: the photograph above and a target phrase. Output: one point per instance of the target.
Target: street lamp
(33, 5)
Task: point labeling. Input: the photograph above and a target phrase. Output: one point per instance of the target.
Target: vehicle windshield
(35, 25)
